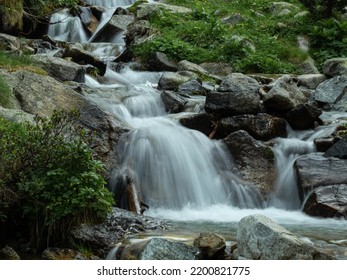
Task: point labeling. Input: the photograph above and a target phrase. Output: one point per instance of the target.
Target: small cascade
(110, 3)
(65, 27)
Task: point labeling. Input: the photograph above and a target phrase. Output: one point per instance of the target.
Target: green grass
(5, 94)
(260, 42)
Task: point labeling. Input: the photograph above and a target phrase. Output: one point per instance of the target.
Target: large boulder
(192, 87)
(333, 92)
(173, 102)
(304, 116)
(61, 69)
(261, 126)
(254, 160)
(172, 80)
(327, 202)
(335, 67)
(201, 122)
(338, 149)
(311, 81)
(42, 95)
(260, 238)
(160, 62)
(314, 170)
(283, 97)
(238, 94)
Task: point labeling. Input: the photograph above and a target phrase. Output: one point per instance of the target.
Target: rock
(335, 67)
(61, 69)
(137, 33)
(238, 94)
(260, 238)
(89, 21)
(80, 56)
(173, 102)
(146, 11)
(160, 62)
(323, 144)
(233, 19)
(278, 8)
(9, 43)
(311, 81)
(42, 95)
(172, 80)
(200, 122)
(304, 116)
(309, 67)
(314, 170)
(185, 65)
(192, 87)
(261, 127)
(8, 253)
(254, 160)
(338, 150)
(212, 246)
(16, 115)
(333, 92)
(116, 24)
(327, 202)
(283, 97)
(219, 69)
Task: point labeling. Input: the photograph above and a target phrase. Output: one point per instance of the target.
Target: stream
(177, 166)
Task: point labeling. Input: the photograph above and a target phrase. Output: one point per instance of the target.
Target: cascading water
(180, 173)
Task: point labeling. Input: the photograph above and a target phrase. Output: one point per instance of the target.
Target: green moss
(5, 94)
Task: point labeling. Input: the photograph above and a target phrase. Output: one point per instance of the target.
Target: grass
(259, 41)
(5, 94)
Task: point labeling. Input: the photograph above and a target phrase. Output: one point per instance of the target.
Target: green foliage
(45, 7)
(49, 178)
(5, 94)
(14, 62)
(323, 9)
(206, 35)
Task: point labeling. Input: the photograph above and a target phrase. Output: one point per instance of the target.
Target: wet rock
(335, 67)
(254, 160)
(172, 80)
(212, 246)
(137, 32)
(333, 92)
(8, 253)
(261, 126)
(260, 238)
(327, 202)
(311, 81)
(173, 102)
(9, 43)
(304, 116)
(309, 67)
(323, 144)
(239, 83)
(338, 150)
(88, 19)
(201, 122)
(192, 87)
(314, 170)
(160, 62)
(283, 97)
(61, 69)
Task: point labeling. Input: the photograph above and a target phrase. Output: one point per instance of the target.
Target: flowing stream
(182, 174)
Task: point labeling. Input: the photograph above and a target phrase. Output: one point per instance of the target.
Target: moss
(5, 94)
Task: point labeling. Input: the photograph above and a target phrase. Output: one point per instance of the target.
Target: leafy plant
(50, 170)
(5, 94)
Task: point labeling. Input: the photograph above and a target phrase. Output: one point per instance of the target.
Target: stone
(261, 126)
(212, 246)
(254, 160)
(219, 69)
(185, 65)
(324, 143)
(309, 67)
(304, 116)
(201, 122)
(172, 80)
(277, 8)
(311, 81)
(327, 202)
(160, 62)
(8, 253)
(16, 115)
(239, 83)
(192, 87)
(9, 42)
(335, 67)
(283, 97)
(61, 69)
(148, 10)
(314, 170)
(333, 92)
(260, 238)
(173, 102)
(89, 21)
(338, 149)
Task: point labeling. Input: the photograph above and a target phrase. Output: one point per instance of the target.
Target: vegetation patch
(5, 94)
(14, 62)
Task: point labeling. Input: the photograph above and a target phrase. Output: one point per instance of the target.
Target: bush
(5, 94)
(48, 177)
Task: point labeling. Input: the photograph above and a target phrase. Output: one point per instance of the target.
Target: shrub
(5, 94)
(48, 177)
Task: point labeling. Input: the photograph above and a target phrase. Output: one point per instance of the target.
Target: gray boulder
(304, 116)
(338, 150)
(201, 122)
(173, 102)
(260, 238)
(61, 69)
(335, 67)
(261, 126)
(314, 170)
(9, 42)
(146, 11)
(254, 160)
(172, 80)
(327, 202)
(311, 81)
(192, 87)
(8, 253)
(160, 62)
(283, 97)
(239, 83)
(333, 92)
